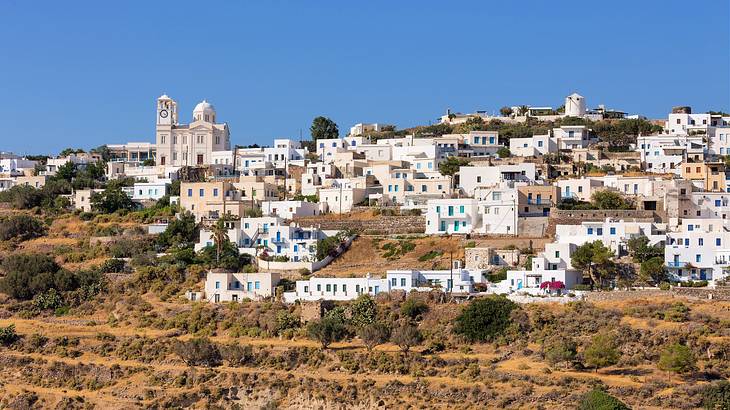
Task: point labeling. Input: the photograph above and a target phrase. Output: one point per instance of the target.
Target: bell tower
(166, 111)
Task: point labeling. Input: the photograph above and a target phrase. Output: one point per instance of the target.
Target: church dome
(204, 106)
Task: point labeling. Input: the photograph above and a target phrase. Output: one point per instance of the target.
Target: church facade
(189, 144)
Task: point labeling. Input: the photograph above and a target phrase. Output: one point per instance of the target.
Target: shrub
(679, 312)
(485, 319)
(601, 352)
(374, 334)
(560, 349)
(717, 396)
(8, 335)
(363, 311)
(677, 358)
(581, 286)
(50, 299)
(413, 307)
(329, 329)
(113, 266)
(430, 255)
(21, 227)
(198, 352)
(406, 335)
(597, 399)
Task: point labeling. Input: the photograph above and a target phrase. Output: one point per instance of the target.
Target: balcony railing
(674, 264)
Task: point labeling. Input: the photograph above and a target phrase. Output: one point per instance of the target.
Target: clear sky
(83, 73)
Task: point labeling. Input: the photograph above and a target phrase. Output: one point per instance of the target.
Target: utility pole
(451, 273)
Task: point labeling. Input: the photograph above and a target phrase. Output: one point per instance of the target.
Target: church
(188, 144)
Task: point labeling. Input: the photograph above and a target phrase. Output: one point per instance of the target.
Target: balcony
(675, 264)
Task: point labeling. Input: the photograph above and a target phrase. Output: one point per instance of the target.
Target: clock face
(163, 113)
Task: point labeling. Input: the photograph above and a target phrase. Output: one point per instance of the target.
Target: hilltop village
(470, 263)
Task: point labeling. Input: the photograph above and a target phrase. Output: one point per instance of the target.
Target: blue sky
(86, 73)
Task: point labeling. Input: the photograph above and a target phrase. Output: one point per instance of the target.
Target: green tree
(181, 232)
(485, 319)
(504, 152)
(406, 335)
(596, 259)
(451, 166)
(22, 197)
(597, 399)
(676, 358)
(601, 352)
(219, 234)
(653, 270)
(330, 328)
(641, 251)
(374, 334)
(111, 200)
(364, 311)
(66, 172)
(609, 200)
(324, 128)
(560, 349)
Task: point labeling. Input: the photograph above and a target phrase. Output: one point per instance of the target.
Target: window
(599, 231)
(215, 191)
(698, 258)
(190, 192)
(402, 281)
(590, 231)
(461, 209)
(613, 231)
(217, 285)
(393, 281)
(201, 192)
(718, 242)
(557, 254)
(700, 241)
(479, 178)
(690, 228)
(257, 285)
(718, 202)
(539, 143)
(580, 189)
(329, 287)
(496, 196)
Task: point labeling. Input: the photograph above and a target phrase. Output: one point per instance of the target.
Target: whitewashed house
(698, 249)
(336, 289)
(236, 287)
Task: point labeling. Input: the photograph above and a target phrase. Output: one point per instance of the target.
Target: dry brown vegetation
(122, 348)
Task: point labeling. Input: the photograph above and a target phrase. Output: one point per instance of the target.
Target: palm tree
(523, 110)
(219, 232)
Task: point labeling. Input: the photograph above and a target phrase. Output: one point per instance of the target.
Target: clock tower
(166, 111)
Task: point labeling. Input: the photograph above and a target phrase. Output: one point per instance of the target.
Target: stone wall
(399, 224)
(718, 293)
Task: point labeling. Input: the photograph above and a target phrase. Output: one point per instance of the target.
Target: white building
(575, 105)
(553, 265)
(614, 233)
(290, 209)
(236, 287)
(471, 178)
(272, 236)
(664, 153)
(459, 281)
(150, 191)
(317, 288)
(532, 146)
(360, 129)
(452, 216)
(579, 189)
(492, 211)
(698, 249)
